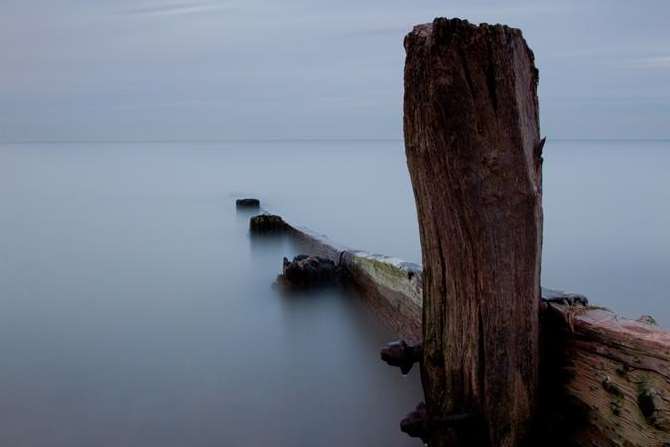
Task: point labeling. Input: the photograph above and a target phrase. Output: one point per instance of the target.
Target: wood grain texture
(612, 384)
(472, 144)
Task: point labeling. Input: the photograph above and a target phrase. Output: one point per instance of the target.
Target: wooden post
(474, 154)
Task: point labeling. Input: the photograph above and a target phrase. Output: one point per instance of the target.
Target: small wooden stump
(267, 224)
(306, 272)
(248, 204)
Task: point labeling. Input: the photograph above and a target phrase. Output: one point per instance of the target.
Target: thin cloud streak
(660, 62)
(174, 9)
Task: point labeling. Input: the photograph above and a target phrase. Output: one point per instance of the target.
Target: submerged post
(473, 149)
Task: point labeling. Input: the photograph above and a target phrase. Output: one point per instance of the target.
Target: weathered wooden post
(474, 154)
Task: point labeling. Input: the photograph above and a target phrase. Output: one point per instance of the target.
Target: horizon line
(273, 140)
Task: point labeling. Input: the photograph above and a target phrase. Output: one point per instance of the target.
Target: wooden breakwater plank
(391, 286)
(614, 377)
(606, 378)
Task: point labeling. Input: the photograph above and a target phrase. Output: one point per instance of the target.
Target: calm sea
(136, 311)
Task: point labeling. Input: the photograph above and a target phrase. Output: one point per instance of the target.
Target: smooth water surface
(137, 311)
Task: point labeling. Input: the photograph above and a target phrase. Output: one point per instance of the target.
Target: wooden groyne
(605, 379)
(521, 373)
(504, 363)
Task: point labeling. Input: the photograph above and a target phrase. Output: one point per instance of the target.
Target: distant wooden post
(474, 154)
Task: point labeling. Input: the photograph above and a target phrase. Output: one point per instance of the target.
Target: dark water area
(137, 311)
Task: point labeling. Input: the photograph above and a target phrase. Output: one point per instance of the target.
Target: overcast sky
(253, 69)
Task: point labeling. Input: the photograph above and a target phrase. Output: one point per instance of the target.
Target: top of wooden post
(442, 30)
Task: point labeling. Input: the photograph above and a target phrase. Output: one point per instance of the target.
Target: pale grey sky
(253, 69)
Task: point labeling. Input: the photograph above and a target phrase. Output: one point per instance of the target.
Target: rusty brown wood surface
(473, 145)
